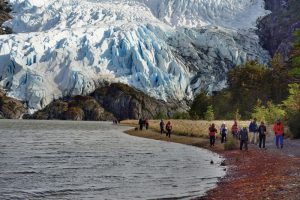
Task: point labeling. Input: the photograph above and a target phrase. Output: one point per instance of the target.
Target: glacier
(170, 49)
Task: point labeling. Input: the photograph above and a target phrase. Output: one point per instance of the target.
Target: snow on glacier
(68, 47)
(238, 14)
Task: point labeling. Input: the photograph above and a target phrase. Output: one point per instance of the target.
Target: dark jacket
(243, 135)
(161, 124)
(253, 127)
(262, 130)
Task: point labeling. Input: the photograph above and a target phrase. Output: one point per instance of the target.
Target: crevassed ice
(47, 14)
(67, 47)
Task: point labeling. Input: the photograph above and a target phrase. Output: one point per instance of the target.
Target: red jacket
(278, 129)
(235, 128)
(212, 131)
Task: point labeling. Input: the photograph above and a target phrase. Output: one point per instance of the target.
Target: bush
(209, 114)
(237, 115)
(160, 115)
(231, 143)
(274, 112)
(269, 113)
(181, 115)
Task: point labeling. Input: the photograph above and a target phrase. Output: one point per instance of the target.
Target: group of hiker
(143, 123)
(168, 128)
(244, 134)
(164, 128)
(248, 134)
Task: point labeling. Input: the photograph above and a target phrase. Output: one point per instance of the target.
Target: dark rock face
(276, 29)
(107, 103)
(4, 16)
(127, 103)
(77, 108)
(10, 108)
(275, 5)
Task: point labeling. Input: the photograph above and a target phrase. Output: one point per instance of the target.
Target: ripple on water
(58, 160)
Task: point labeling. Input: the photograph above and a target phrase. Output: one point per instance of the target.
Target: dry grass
(151, 134)
(187, 127)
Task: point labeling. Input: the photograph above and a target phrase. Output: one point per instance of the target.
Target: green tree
(209, 114)
(278, 79)
(260, 111)
(269, 113)
(292, 103)
(247, 84)
(274, 112)
(221, 102)
(199, 105)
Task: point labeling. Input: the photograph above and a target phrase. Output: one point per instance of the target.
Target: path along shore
(254, 174)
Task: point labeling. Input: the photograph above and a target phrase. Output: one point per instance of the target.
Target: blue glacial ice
(169, 49)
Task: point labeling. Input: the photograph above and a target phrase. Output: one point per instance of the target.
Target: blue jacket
(243, 135)
(253, 127)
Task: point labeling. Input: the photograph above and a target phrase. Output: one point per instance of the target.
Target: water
(93, 160)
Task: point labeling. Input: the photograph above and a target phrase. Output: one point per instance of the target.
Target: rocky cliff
(276, 29)
(128, 103)
(4, 16)
(75, 108)
(10, 108)
(113, 101)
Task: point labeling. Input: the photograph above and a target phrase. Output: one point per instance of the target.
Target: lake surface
(95, 160)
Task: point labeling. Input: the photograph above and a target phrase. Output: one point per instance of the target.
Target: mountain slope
(276, 30)
(169, 49)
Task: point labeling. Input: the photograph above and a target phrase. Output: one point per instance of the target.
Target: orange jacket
(278, 129)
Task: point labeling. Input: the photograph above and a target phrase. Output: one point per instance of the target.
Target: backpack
(224, 131)
(168, 126)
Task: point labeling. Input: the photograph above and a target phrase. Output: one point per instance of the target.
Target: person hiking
(223, 132)
(253, 131)
(141, 123)
(262, 131)
(169, 129)
(278, 129)
(235, 130)
(146, 124)
(212, 134)
(161, 125)
(243, 136)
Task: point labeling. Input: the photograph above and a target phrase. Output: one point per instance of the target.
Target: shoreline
(253, 174)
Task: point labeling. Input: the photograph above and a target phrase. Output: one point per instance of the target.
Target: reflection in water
(95, 160)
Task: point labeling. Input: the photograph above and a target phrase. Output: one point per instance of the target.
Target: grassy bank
(190, 128)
